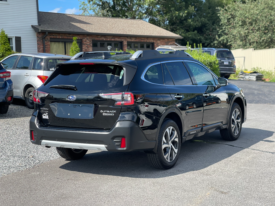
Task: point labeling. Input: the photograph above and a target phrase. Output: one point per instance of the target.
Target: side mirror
(223, 81)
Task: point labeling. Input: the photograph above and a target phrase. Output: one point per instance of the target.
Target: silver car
(30, 71)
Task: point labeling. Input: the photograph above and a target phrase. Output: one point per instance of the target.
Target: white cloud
(71, 11)
(56, 10)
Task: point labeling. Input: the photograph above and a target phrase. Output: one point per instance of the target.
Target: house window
(11, 42)
(140, 46)
(63, 46)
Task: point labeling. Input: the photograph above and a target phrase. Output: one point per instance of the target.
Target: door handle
(206, 95)
(26, 75)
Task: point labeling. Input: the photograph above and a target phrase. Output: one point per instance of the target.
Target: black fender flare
(231, 105)
(164, 115)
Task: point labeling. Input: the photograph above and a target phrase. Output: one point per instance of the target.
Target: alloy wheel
(236, 122)
(170, 144)
(31, 98)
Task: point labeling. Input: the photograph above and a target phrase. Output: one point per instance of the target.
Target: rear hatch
(3, 76)
(83, 95)
(226, 59)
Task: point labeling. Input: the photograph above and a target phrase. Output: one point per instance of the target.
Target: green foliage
(75, 48)
(208, 60)
(5, 49)
(248, 24)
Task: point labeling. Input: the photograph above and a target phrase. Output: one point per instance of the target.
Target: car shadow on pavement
(196, 154)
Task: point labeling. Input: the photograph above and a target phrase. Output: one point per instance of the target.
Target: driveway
(210, 171)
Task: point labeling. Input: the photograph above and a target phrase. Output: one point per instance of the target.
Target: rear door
(187, 97)
(84, 96)
(21, 74)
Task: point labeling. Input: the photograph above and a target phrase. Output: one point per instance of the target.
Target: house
(16, 18)
(53, 32)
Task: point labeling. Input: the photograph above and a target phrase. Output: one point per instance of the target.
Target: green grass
(268, 75)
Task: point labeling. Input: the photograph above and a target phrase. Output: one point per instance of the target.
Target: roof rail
(149, 54)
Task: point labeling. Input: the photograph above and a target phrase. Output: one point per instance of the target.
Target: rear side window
(154, 74)
(24, 62)
(9, 62)
(38, 64)
(201, 75)
(225, 54)
(99, 77)
(179, 73)
(51, 63)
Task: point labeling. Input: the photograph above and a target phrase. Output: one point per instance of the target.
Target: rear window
(225, 54)
(51, 63)
(98, 77)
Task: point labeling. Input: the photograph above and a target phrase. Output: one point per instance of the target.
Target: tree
(130, 9)
(248, 24)
(5, 49)
(74, 48)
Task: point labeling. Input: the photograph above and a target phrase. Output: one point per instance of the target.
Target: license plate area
(226, 63)
(73, 111)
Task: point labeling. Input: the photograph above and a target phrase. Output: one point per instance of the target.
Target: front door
(187, 97)
(214, 100)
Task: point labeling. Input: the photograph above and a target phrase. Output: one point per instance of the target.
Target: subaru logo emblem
(71, 97)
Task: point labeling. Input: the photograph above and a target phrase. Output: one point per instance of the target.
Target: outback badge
(71, 98)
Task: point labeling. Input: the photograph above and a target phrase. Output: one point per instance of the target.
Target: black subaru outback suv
(150, 101)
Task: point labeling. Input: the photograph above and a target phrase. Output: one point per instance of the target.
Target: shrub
(5, 49)
(75, 48)
(208, 60)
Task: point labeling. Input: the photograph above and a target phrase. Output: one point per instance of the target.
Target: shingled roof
(78, 24)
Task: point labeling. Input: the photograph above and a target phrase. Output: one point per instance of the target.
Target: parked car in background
(97, 55)
(164, 48)
(30, 71)
(6, 90)
(226, 60)
(150, 101)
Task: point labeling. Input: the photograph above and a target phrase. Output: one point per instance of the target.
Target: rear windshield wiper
(69, 87)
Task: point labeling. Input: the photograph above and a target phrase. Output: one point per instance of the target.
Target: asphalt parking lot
(210, 171)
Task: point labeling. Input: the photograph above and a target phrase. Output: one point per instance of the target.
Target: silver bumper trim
(73, 145)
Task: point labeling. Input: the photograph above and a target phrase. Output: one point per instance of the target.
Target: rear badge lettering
(45, 116)
(108, 112)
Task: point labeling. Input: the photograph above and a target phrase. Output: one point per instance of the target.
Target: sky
(60, 6)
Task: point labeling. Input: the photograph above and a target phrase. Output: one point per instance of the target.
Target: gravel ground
(16, 151)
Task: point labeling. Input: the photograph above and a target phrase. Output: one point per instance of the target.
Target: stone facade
(87, 40)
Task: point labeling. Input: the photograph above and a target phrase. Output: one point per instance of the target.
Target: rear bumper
(227, 70)
(6, 92)
(92, 139)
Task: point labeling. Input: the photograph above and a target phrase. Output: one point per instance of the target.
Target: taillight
(5, 74)
(125, 98)
(42, 78)
(37, 95)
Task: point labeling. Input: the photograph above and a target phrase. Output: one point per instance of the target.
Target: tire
(71, 154)
(227, 76)
(234, 130)
(29, 98)
(163, 158)
(4, 108)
